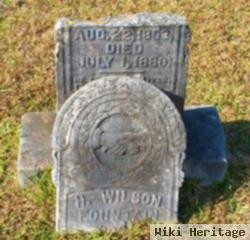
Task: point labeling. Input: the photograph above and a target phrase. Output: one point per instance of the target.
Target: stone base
(206, 145)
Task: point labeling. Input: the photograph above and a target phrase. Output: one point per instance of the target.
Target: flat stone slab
(35, 145)
(206, 145)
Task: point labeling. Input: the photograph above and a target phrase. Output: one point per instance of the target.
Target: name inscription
(114, 205)
(124, 215)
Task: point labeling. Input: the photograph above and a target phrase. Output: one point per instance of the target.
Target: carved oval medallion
(120, 142)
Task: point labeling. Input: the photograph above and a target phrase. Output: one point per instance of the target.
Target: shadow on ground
(193, 196)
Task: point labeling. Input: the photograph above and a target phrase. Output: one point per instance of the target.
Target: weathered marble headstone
(153, 45)
(119, 146)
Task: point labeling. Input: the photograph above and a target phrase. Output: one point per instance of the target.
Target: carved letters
(116, 196)
(155, 51)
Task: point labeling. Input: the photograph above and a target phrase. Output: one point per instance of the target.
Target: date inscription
(122, 34)
(97, 51)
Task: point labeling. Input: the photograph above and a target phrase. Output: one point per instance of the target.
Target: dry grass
(219, 74)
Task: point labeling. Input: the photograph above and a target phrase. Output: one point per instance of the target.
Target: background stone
(153, 45)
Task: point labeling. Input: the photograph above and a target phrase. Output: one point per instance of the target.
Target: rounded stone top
(116, 128)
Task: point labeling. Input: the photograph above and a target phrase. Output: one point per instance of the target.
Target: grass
(219, 74)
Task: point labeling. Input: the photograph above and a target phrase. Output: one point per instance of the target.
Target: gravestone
(118, 139)
(118, 146)
(153, 45)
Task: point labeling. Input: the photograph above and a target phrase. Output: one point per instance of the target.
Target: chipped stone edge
(139, 19)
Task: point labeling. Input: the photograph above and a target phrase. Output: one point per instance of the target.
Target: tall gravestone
(119, 146)
(152, 45)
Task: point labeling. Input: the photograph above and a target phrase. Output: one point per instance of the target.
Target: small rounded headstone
(118, 147)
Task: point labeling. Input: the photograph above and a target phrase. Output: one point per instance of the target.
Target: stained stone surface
(35, 145)
(206, 145)
(153, 45)
(118, 147)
